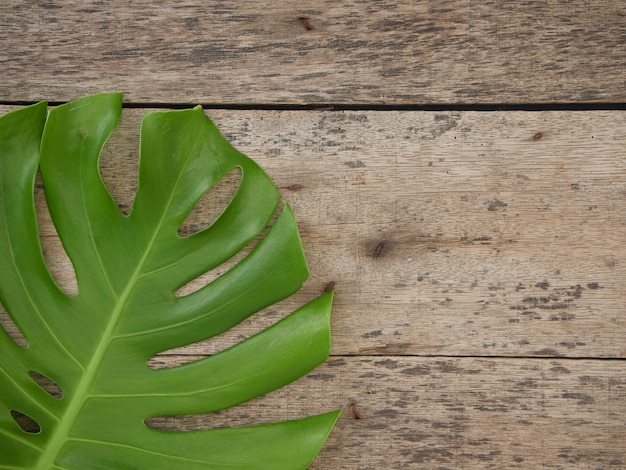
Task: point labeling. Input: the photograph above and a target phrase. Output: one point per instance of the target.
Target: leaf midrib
(61, 434)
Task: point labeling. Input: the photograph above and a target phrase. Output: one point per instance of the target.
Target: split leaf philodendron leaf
(95, 345)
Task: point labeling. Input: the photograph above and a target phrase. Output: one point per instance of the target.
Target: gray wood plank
(356, 51)
(450, 412)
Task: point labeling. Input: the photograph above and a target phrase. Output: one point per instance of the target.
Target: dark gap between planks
(485, 107)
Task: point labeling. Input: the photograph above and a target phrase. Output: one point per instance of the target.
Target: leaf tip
(326, 301)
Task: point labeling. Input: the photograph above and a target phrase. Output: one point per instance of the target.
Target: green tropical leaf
(95, 345)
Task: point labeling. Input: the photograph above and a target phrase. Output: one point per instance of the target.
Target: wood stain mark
(355, 163)
(582, 398)
(295, 187)
(330, 286)
(372, 334)
(305, 22)
(355, 412)
(537, 136)
(394, 348)
(547, 352)
(496, 205)
(378, 250)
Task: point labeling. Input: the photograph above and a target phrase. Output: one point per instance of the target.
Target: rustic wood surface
(411, 412)
(456, 234)
(478, 257)
(480, 271)
(358, 51)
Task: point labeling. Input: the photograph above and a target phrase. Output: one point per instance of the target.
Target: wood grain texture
(480, 271)
(355, 51)
(431, 413)
(460, 234)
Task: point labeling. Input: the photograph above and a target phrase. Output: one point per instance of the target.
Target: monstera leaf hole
(119, 175)
(212, 204)
(47, 384)
(59, 264)
(25, 422)
(11, 329)
(208, 209)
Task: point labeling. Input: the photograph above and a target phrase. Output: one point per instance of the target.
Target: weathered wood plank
(356, 51)
(444, 233)
(451, 413)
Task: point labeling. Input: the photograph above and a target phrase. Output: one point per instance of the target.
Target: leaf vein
(137, 449)
(82, 390)
(90, 232)
(18, 439)
(28, 395)
(30, 299)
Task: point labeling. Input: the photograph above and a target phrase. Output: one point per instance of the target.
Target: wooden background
(458, 172)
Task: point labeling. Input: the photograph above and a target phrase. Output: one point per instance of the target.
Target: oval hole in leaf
(119, 160)
(25, 422)
(47, 384)
(211, 204)
(59, 264)
(11, 329)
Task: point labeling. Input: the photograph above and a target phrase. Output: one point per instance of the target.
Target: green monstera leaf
(95, 345)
